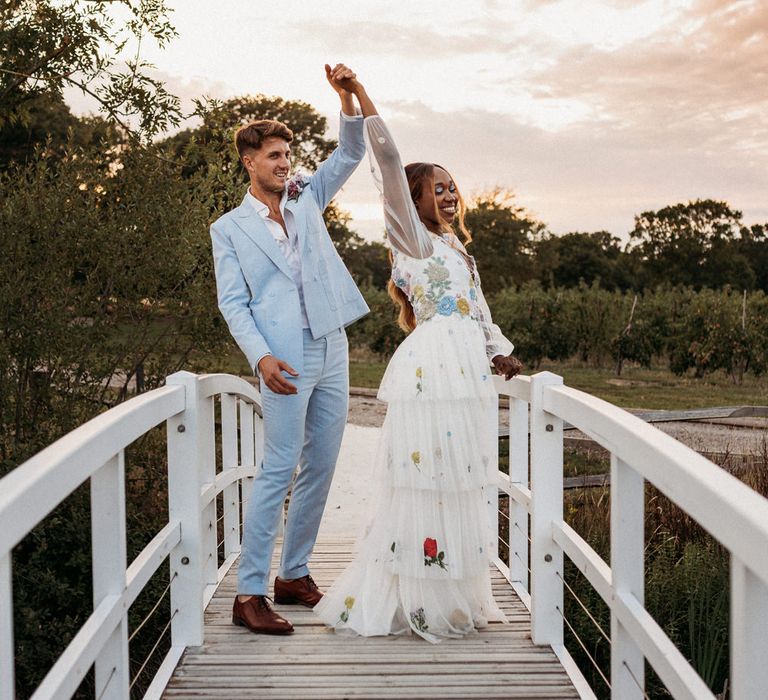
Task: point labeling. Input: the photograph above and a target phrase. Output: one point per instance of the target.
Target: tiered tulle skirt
(421, 564)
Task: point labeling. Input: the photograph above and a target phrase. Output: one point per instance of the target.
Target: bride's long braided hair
(419, 174)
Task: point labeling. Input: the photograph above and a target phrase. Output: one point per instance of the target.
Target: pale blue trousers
(303, 429)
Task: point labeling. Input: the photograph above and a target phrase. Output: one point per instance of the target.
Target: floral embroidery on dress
(425, 309)
(419, 374)
(438, 275)
(446, 306)
(431, 555)
(349, 601)
(416, 458)
(419, 620)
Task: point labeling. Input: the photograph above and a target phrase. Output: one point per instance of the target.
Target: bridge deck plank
(500, 661)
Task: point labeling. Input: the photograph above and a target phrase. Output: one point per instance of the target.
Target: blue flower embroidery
(400, 283)
(472, 294)
(446, 306)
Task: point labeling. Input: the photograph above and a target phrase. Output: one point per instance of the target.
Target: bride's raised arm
(405, 232)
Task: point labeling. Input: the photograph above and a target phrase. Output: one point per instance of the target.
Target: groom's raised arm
(335, 170)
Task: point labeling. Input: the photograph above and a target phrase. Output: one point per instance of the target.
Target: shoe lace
(311, 583)
(265, 602)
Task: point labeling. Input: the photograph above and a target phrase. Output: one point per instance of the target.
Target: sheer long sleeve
(405, 232)
(496, 343)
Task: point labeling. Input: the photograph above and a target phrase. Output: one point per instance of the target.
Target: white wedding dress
(422, 563)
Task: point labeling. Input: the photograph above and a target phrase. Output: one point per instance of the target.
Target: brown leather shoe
(257, 615)
(300, 591)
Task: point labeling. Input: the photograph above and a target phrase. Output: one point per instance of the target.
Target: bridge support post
(187, 441)
(518, 474)
(546, 508)
(229, 459)
(749, 641)
(109, 556)
(7, 649)
(628, 571)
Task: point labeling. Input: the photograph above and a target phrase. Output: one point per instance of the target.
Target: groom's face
(270, 165)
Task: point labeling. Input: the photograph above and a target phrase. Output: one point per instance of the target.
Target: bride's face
(440, 201)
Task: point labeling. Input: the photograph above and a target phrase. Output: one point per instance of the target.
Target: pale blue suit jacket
(256, 292)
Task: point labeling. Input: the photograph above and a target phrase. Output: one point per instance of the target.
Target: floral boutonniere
(295, 187)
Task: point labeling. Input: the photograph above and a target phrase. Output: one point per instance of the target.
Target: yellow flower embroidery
(463, 306)
(418, 372)
(416, 457)
(418, 291)
(349, 601)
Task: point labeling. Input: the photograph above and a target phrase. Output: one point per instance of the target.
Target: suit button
(314, 277)
(309, 249)
(274, 323)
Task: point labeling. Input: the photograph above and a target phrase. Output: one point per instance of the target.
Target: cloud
(702, 84)
(576, 179)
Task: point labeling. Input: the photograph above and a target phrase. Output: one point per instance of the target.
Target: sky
(590, 111)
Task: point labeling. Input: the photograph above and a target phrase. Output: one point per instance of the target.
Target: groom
(287, 296)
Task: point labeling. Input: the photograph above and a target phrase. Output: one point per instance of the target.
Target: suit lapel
(252, 226)
(299, 221)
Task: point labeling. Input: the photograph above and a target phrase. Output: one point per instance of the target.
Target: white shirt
(289, 245)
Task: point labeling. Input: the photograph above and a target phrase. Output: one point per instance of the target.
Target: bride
(422, 563)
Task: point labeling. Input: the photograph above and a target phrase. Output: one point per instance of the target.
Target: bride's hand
(507, 365)
(341, 78)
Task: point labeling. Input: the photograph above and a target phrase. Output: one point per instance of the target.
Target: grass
(636, 388)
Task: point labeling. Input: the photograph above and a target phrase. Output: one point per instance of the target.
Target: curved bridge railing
(539, 540)
(96, 451)
(729, 510)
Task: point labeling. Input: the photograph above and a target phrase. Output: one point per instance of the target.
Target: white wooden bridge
(209, 657)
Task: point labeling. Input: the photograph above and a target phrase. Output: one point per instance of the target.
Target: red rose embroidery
(432, 556)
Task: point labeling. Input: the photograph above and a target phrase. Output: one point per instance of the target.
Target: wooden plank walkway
(315, 663)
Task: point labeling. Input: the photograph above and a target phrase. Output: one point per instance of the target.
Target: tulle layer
(443, 446)
(368, 600)
(430, 534)
(443, 359)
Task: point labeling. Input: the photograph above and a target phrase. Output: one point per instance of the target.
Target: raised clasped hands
(507, 365)
(341, 78)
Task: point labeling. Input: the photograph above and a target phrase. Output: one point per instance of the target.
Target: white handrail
(733, 513)
(35, 488)
(95, 450)
(538, 406)
(727, 508)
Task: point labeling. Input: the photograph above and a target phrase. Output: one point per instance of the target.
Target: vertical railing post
(493, 490)
(108, 546)
(7, 656)
(546, 509)
(229, 460)
(627, 567)
(749, 639)
(185, 454)
(207, 466)
(247, 456)
(518, 474)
